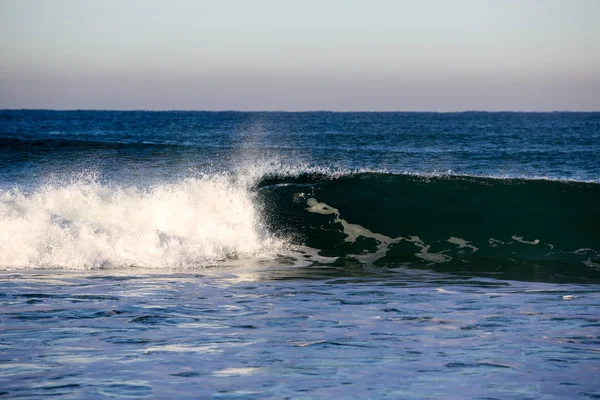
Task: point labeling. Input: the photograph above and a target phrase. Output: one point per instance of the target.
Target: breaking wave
(196, 222)
(532, 227)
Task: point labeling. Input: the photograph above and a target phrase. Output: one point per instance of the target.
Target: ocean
(246, 255)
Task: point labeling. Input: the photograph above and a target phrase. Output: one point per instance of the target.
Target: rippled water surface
(295, 332)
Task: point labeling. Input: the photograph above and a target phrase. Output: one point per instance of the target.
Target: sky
(339, 55)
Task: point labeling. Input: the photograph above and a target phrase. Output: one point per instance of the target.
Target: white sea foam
(195, 222)
(521, 240)
(354, 231)
(462, 243)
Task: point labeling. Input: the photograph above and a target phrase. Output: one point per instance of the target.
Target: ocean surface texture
(236, 255)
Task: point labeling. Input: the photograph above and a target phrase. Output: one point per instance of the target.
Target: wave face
(83, 225)
(454, 223)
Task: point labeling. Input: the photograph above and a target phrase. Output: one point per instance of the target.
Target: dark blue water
(313, 255)
(165, 145)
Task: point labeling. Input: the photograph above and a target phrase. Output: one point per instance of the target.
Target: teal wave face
(520, 228)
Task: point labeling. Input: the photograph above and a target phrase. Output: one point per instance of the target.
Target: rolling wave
(521, 228)
(454, 223)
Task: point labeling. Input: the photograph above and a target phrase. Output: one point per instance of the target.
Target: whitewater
(192, 223)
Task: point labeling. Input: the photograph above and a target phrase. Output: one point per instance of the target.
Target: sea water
(299, 255)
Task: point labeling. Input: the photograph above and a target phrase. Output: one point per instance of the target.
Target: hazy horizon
(404, 56)
(167, 110)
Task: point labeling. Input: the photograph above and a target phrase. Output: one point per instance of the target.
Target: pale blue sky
(537, 55)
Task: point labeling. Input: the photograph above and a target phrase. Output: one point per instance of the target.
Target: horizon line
(297, 111)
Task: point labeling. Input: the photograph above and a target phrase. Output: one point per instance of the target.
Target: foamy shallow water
(313, 332)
